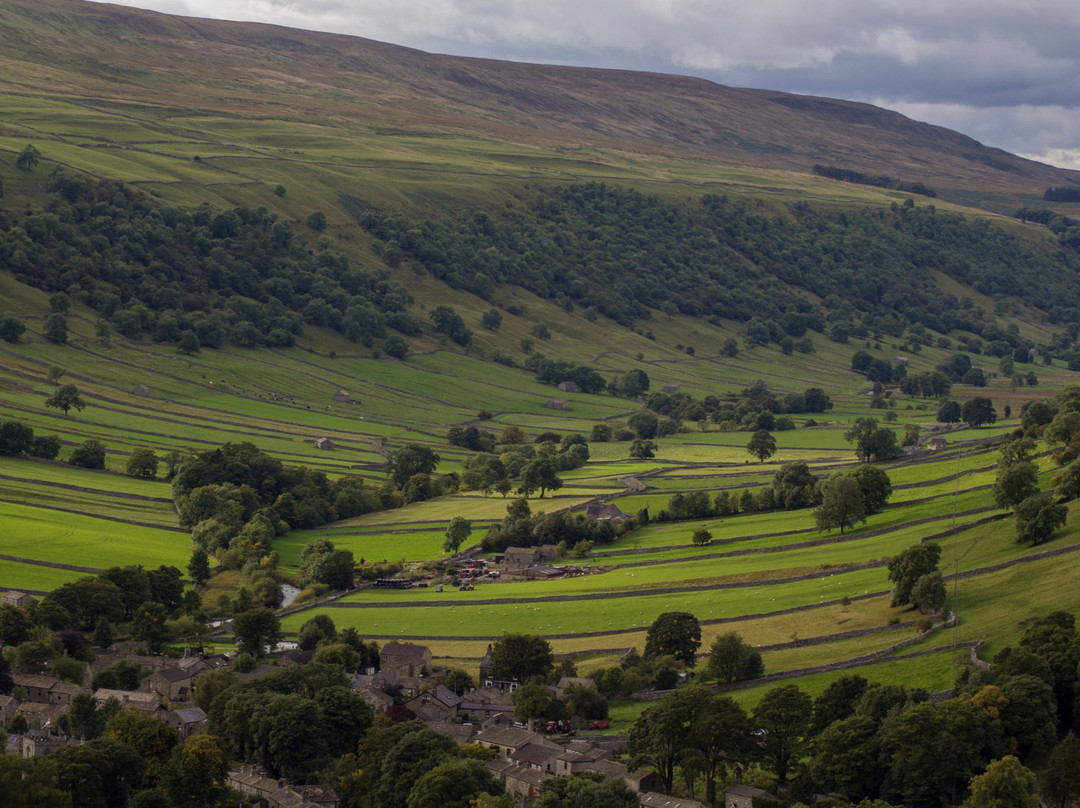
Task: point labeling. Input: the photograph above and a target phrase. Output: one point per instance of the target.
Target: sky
(1006, 72)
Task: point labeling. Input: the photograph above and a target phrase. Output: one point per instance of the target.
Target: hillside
(570, 120)
(326, 252)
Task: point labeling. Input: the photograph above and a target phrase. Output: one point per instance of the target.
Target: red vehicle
(599, 724)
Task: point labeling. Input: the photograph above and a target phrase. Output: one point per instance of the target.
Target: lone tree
(65, 397)
(906, 569)
(1037, 517)
(676, 634)
(842, 503)
(11, 328)
(978, 411)
(732, 659)
(762, 445)
(409, 460)
(1015, 483)
(142, 463)
(701, 537)
(457, 532)
(28, 157)
(642, 449)
(55, 328)
(520, 657)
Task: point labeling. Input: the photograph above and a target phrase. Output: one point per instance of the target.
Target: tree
(837, 701)
(1006, 783)
(457, 532)
(844, 757)
(11, 328)
(584, 790)
(317, 221)
(1015, 483)
(783, 715)
(676, 634)
(255, 629)
(90, 455)
(978, 411)
(149, 626)
(453, 784)
(762, 445)
(199, 566)
(929, 592)
(103, 633)
(31, 783)
(520, 657)
(28, 157)
(661, 733)
(103, 332)
(491, 319)
(55, 328)
(540, 474)
(841, 503)
(533, 701)
(643, 424)
(701, 537)
(906, 569)
(1037, 517)
(396, 347)
(642, 449)
(65, 398)
(148, 735)
(409, 460)
(189, 343)
(732, 659)
(16, 438)
(1060, 781)
(142, 463)
(875, 486)
(197, 771)
(54, 373)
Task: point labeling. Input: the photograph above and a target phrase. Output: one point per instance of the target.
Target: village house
(173, 684)
(438, 706)
(13, 597)
(569, 387)
(46, 689)
(555, 403)
(8, 707)
(342, 397)
(506, 740)
(670, 388)
(485, 704)
(605, 511)
(404, 659)
(187, 721)
(571, 681)
(141, 390)
(253, 782)
(135, 699)
(743, 796)
(655, 799)
(324, 443)
(41, 716)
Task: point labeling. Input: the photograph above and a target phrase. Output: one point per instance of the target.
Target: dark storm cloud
(1005, 72)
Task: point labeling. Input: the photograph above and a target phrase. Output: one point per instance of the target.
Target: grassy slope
(438, 147)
